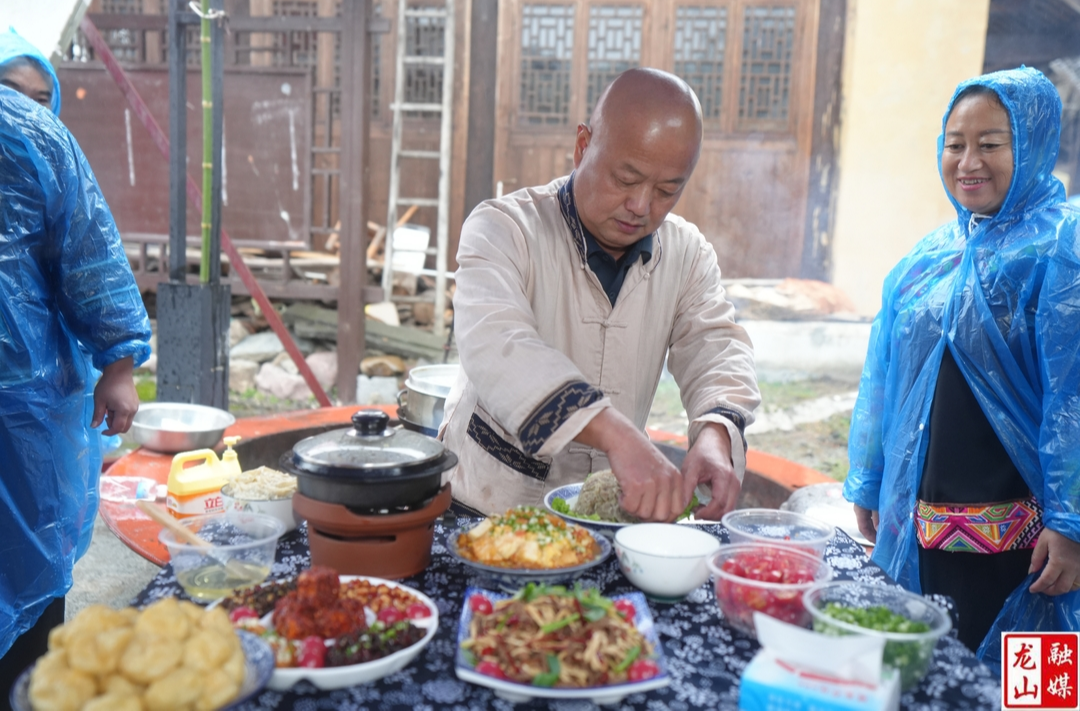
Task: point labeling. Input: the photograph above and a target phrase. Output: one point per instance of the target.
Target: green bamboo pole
(208, 141)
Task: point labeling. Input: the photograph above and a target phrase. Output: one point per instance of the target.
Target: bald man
(569, 297)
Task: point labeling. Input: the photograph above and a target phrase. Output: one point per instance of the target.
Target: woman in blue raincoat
(965, 439)
(65, 289)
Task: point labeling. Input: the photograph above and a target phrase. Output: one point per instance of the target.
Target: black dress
(967, 464)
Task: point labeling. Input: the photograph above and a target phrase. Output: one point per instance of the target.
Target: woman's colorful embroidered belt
(992, 528)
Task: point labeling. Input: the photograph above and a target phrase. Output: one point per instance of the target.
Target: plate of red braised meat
(335, 630)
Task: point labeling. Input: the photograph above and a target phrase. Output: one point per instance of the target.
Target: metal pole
(178, 142)
(217, 115)
(395, 150)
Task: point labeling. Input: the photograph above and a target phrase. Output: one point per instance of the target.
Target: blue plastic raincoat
(1004, 296)
(65, 286)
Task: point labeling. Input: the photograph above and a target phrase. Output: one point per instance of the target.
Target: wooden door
(751, 63)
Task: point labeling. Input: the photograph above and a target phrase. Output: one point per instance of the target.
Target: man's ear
(584, 135)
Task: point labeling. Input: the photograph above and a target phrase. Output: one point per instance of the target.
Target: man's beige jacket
(543, 351)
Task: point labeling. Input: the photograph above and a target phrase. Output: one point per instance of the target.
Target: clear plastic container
(907, 652)
(787, 573)
(782, 527)
(240, 554)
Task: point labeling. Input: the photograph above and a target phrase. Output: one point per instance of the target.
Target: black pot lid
(368, 447)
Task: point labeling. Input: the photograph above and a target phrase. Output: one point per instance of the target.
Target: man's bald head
(635, 156)
(654, 102)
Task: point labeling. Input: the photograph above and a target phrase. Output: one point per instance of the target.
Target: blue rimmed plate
(519, 693)
(569, 493)
(258, 667)
(512, 579)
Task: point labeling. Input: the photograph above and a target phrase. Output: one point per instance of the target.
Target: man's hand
(1062, 558)
(652, 488)
(115, 399)
(709, 460)
(868, 522)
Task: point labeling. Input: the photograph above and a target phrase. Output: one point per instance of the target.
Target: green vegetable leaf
(560, 623)
(560, 505)
(694, 503)
(549, 677)
(630, 657)
(469, 657)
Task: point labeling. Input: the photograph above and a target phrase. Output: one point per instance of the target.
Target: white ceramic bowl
(785, 528)
(665, 560)
(281, 509)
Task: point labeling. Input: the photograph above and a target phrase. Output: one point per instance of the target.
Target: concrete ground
(112, 574)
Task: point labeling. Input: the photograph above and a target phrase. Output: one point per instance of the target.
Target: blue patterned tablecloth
(705, 656)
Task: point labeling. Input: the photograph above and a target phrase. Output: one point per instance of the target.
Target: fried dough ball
(98, 653)
(149, 657)
(61, 689)
(218, 688)
(208, 649)
(218, 619)
(236, 667)
(54, 659)
(120, 685)
(93, 619)
(176, 690)
(194, 612)
(115, 702)
(164, 618)
(318, 586)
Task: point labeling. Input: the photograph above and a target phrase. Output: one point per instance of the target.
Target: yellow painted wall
(902, 61)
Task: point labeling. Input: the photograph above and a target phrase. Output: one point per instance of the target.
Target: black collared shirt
(610, 271)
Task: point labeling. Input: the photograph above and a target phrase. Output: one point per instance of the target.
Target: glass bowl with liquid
(240, 553)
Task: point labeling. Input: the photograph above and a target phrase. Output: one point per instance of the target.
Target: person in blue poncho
(66, 290)
(965, 439)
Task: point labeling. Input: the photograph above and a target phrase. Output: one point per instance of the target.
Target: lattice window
(547, 50)
(700, 43)
(424, 37)
(614, 45)
(126, 44)
(296, 49)
(765, 74)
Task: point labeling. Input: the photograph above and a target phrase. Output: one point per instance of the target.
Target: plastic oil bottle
(196, 490)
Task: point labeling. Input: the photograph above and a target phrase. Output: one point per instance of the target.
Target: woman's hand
(868, 522)
(1062, 558)
(115, 398)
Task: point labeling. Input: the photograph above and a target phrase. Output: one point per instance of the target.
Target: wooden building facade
(767, 73)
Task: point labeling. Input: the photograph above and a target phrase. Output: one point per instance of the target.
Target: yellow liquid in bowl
(210, 582)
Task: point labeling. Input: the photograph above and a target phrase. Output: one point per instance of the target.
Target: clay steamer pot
(369, 468)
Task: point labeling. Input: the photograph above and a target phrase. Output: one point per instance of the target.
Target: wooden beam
(355, 117)
(817, 258)
(483, 75)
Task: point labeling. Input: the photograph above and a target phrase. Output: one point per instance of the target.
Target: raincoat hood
(12, 46)
(1034, 109)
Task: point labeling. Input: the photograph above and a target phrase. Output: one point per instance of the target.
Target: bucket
(420, 404)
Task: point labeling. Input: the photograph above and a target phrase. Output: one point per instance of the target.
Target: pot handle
(401, 392)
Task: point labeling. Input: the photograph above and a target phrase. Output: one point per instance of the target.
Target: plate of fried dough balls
(170, 656)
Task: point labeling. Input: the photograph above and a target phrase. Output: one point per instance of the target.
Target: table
(705, 657)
